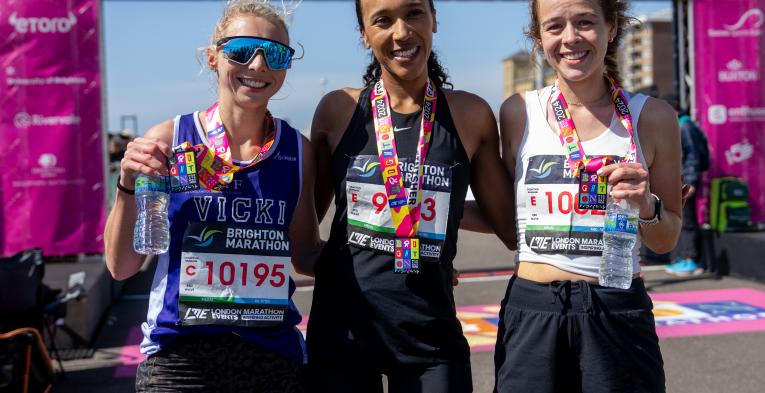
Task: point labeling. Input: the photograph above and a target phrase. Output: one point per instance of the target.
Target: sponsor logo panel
(236, 239)
(739, 152)
(23, 120)
(42, 24)
(748, 24)
(735, 71)
(721, 114)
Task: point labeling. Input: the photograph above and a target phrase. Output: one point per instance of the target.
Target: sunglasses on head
(242, 49)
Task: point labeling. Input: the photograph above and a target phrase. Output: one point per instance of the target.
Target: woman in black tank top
(366, 318)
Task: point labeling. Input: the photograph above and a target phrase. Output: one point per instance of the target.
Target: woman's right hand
(144, 155)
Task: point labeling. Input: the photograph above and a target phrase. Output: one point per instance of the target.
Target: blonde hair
(261, 8)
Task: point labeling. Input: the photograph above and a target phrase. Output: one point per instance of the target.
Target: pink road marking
(482, 348)
(746, 296)
(130, 355)
(481, 332)
(709, 329)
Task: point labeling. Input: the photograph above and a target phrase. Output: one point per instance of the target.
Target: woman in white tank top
(559, 330)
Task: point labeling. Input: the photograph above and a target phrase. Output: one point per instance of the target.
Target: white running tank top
(551, 229)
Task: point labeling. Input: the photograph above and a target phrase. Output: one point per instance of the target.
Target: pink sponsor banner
(729, 65)
(51, 160)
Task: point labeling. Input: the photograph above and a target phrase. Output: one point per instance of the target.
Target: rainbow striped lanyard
(404, 207)
(569, 138)
(215, 166)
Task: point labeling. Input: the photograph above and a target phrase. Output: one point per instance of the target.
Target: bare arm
(148, 156)
(489, 180)
(330, 120)
(304, 228)
(473, 220)
(323, 193)
(512, 125)
(660, 139)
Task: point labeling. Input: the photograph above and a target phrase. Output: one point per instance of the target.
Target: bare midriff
(542, 272)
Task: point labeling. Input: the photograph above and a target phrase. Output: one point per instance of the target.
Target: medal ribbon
(216, 166)
(404, 207)
(569, 138)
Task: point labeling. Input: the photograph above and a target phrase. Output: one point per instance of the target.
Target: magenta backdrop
(51, 155)
(729, 39)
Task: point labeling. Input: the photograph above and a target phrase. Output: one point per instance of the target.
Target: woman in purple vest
(220, 314)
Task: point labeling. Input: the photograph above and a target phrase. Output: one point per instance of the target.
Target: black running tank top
(362, 310)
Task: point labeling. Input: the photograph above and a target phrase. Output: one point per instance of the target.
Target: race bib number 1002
(555, 224)
(233, 275)
(370, 225)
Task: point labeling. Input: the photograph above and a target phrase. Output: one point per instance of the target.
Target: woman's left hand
(630, 182)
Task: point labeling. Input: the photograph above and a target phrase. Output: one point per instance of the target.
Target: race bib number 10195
(233, 276)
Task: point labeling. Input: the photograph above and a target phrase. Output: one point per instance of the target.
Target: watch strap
(656, 215)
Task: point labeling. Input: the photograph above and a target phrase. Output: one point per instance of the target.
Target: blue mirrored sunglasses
(242, 49)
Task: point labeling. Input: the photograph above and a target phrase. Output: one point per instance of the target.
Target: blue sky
(153, 70)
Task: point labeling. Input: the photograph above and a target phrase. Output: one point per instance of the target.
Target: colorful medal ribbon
(404, 207)
(570, 139)
(216, 168)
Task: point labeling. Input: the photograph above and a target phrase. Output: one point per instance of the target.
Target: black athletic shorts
(224, 363)
(402, 378)
(577, 337)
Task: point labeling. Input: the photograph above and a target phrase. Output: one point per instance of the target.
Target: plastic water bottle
(152, 229)
(619, 237)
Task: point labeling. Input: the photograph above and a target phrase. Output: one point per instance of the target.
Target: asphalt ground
(732, 362)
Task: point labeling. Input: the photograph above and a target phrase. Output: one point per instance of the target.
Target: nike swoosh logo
(396, 129)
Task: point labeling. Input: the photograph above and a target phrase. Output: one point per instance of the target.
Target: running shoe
(684, 267)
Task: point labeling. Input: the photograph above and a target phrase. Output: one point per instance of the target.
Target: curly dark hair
(614, 11)
(436, 71)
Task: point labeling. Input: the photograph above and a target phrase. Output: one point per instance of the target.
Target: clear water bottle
(619, 237)
(152, 229)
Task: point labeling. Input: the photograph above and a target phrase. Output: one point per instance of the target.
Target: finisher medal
(404, 204)
(592, 188)
(183, 170)
(407, 255)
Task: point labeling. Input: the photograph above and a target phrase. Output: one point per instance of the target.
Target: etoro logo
(205, 238)
(43, 24)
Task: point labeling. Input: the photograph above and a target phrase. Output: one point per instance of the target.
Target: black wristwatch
(656, 215)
